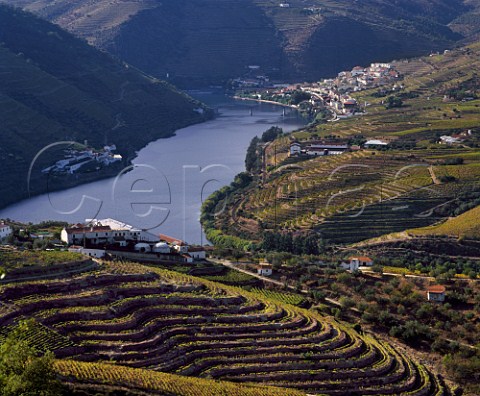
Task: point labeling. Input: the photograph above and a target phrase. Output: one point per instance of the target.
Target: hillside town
(331, 95)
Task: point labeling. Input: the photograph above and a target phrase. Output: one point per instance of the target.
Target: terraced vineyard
(365, 194)
(153, 330)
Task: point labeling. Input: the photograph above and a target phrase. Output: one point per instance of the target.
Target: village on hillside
(326, 99)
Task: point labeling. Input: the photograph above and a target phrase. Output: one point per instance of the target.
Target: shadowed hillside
(54, 87)
(210, 41)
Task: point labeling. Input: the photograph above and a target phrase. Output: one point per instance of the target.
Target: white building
(375, 143)
(295, 149)
(265, 269)
(104, 231)
(179, 245)
(94, 253)
(361, 261)
(5, 231)
(326, 149)
(436, 293)
(197, 252)
(80, 233)
(351, 266)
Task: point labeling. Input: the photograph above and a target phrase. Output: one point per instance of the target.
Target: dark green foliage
(454, 161)
(308, 244)
(253, 159)
(464, 369)
(271, 134)
(300, 96)
(22, 371)
(411, 332)
(393, 101)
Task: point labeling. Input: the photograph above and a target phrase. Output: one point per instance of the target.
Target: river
(164, 189)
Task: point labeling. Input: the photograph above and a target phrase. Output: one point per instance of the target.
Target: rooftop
(436, 289)
(361, 258)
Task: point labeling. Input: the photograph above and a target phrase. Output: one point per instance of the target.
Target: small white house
(352, 266)
(295, 149)
(5, 231)
(375, 143)
(436, 293)
(361, 261)
(94, 253)
(197, 252)
(265, 269)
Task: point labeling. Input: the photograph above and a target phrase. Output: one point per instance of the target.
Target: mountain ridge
(55, 87)
(209, 41)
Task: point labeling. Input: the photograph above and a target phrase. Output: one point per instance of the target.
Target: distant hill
(205, 42)
(55, 87)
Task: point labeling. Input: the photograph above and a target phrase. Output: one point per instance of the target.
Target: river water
(170, 178)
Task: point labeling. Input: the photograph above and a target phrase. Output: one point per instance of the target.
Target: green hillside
(466, 225)
(54, 87)
(210, 41)
(153, 331)
(364, 194)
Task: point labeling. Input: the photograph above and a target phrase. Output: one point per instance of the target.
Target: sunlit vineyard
(139, 327)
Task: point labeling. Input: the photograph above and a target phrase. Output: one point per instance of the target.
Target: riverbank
(196, 161)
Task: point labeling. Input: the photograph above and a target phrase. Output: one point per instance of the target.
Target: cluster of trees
(23, 372)
(253, 158)
(253, 161)
(464, 202)
(299, 244)
(453, 161)
(442, 267)
(299, 96)
(392, 102)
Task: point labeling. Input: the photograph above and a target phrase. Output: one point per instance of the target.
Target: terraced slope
(54, 87)
(365, 194)
(210, 41)
(138, 317)
(466, 225)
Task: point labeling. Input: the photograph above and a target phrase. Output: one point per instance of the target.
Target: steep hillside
(363, 194)
(141, 321)
(210, 41)
(466, 225)
(55, 87)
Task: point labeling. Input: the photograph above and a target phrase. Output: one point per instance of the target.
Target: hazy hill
(210, 41)
(56, 87)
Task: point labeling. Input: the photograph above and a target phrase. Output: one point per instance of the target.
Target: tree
(271, 134)
(22, 371)
(252, 161)
(393, 101)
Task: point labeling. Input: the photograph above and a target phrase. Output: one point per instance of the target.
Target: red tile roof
(170, 239)
(436, 289)
(196, 249)
(362, 258)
